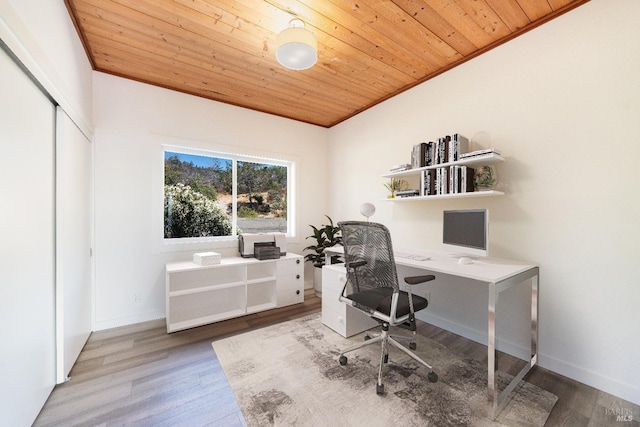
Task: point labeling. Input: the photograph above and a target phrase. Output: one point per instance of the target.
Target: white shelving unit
(485, 159)
(197, 295)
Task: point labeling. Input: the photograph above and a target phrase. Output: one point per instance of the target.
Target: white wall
(131, 121)
(562, 103)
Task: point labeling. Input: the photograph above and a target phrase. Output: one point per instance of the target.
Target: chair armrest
(357, 264)
(415, 280)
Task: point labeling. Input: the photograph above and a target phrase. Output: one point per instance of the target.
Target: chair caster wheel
(386, 358)
(412, 345)
(432, 377)
(343, 360)
(379, 388)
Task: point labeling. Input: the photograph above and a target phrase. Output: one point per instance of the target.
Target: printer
(262, 245)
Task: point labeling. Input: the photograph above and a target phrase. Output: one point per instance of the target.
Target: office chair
(372, 287)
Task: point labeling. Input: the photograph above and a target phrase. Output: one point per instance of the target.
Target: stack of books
(479, 153)
(447, 180)
(444, 150)
(400, 168)
(407, 193)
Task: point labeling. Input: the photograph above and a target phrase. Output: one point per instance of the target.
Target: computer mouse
(465, 260)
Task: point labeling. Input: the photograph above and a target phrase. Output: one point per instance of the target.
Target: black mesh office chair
(372, 287)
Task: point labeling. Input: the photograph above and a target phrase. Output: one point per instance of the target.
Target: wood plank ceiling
(368, 50)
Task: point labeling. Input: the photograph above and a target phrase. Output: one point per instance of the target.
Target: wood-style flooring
(140, 375)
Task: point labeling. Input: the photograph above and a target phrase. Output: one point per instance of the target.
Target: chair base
(385, 338)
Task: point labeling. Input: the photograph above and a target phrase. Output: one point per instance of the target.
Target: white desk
(500, 275)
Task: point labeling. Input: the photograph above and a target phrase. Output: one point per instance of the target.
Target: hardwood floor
(140, 375)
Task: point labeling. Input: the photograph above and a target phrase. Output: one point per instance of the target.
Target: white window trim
(187, 146)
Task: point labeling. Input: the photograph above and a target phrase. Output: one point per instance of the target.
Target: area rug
(288, 375)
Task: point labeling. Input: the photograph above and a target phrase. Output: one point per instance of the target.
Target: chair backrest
(370, 242)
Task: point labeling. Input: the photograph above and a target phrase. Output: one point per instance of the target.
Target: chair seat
(379, 299)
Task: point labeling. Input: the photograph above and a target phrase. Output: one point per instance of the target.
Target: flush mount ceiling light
(296, 47)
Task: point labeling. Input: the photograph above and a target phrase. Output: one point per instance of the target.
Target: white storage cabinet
(200, 294)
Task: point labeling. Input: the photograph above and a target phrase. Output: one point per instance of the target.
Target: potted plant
(395, 184)
(485, 178)
(325, 236)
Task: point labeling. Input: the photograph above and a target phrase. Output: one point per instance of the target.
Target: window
(216, 195)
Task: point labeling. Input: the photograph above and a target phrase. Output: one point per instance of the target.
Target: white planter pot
(317, 281)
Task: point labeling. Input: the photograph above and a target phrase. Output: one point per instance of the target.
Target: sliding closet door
(73, 242)
(27, 257)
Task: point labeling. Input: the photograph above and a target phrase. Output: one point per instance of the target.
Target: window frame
(163, 244)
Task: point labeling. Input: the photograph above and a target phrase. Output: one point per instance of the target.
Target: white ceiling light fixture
(296, 47)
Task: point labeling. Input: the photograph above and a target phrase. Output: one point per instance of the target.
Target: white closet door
(73, 242)
(27, 246)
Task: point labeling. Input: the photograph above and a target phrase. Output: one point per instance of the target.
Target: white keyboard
(414, 257)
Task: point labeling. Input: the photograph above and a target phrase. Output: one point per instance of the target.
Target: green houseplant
(485, 178)
(325, 236)
(394, 185)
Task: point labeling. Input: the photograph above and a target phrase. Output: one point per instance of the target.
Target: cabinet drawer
(290, 266)
(333, 279)
(295, 281)
(290, 296)
(334, 320)
(330, 300)
(348, 322)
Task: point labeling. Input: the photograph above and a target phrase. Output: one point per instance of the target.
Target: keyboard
(414, 257)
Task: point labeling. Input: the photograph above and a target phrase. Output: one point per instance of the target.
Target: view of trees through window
(198, 196)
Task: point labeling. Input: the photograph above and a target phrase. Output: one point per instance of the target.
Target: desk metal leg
(496, 399)
(491, 344)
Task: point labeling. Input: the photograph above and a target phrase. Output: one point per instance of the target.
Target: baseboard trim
(126, 321)
(603, 383)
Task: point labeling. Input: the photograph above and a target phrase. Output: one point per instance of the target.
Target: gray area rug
(288, 375)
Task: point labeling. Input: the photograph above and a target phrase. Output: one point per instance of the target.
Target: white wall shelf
(485, 159)
(197, 295)
(446, 196)
(482, 160)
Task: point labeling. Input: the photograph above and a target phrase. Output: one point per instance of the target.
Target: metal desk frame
(497, 400)
(508, 273)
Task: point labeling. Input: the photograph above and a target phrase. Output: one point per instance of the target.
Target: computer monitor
(466, 232)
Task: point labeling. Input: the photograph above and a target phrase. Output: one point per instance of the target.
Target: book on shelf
(418, 155)
(427, 182)
(442, 181)
(407, 193)
(457, 146)
(453, 179)
(461, 179)
(442, 150)
(400, 168)
(428, 154)
(467, 175)
(479, 153)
